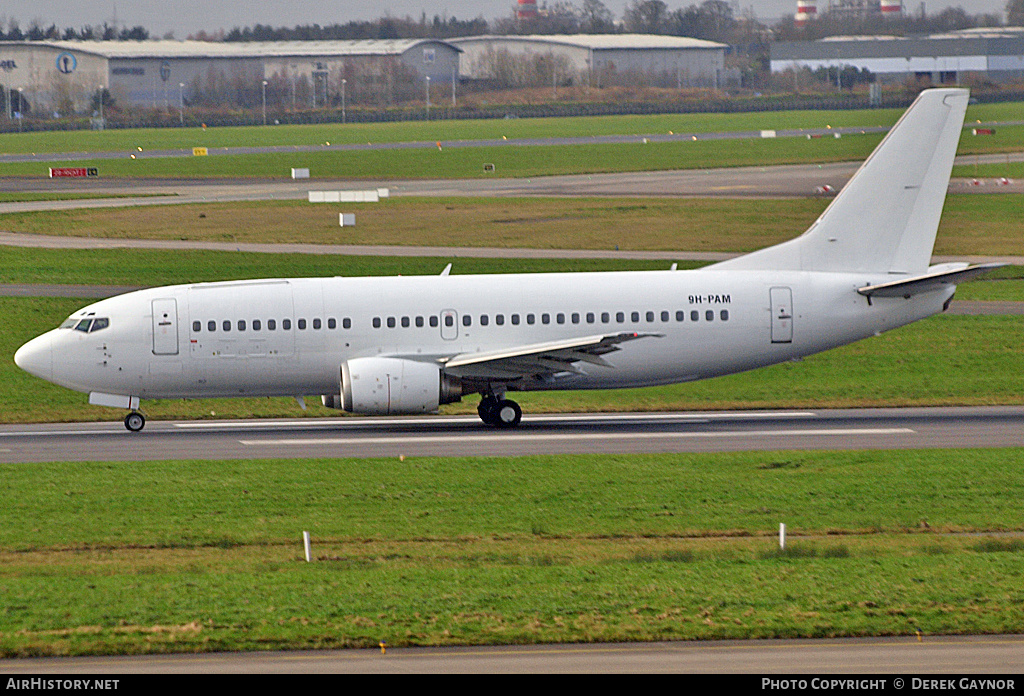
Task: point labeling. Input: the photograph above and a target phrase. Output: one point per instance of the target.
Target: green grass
(514, 161)
(971, 224)
(114, 558)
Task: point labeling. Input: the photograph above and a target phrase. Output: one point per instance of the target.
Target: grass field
(971, 224)
(113, 558)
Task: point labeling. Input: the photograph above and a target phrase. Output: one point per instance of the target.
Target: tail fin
(885, 219)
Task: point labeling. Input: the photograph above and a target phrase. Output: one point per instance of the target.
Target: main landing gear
(135, 421)
(500, 412)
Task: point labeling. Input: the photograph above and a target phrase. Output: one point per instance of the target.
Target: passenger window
(271, 324)
(376, 322)
(680, 315)
(664, 316)
(560, 318)
(449, 320)
(301, 324)
(286, 324)
(709, 315)
(405, 322)
(241, 324)
(605, 317)
(419, 322)
(391, 323)
(257, 325)
(227, 325)
(317, 324)
(499, 319)
(530, 319)
(650, 316)
(635, 316)
(724, 314)
(483, 320)
(332, 323)
(346, 323)
(515, 320)
(466, 320)
(211, 326)
(590, 317)
(620, 317)
(433, 322)
(575, 317)
(545, 318)
(197, 326)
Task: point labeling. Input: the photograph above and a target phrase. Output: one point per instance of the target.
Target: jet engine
(387, 386)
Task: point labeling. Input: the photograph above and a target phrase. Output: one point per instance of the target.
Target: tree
(645, 16)
(1015, 12)
(596, 18)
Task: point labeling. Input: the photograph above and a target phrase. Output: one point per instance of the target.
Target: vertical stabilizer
(885, 219)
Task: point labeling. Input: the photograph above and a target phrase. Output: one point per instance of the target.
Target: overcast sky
(187, 16)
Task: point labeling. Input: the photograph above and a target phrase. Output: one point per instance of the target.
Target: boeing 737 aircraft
(405, 345)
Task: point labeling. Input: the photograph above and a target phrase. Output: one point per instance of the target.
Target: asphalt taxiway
(625, 433)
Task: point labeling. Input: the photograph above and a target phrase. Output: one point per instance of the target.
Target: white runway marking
(538, 437)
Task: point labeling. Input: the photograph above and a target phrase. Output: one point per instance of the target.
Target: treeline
(36, 32)
(383, 28)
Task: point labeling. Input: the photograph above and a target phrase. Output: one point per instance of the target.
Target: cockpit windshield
(86, 325)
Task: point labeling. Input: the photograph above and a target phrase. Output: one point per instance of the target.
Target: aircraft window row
(558, 318)
(86, 325)
(228, 325)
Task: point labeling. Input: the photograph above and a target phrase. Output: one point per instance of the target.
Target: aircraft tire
(508, 414)
(488, 410)
(135, 421)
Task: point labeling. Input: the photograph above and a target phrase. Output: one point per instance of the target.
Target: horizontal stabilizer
(929, 282)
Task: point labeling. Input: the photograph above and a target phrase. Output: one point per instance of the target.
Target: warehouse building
(65, 76)
(995, 53)
(598, 60)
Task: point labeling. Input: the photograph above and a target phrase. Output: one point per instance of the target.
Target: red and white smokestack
(526, 9)
(891, 8)
(806, 10)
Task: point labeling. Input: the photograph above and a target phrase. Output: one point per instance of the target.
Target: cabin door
(782, 315)
(165, 327)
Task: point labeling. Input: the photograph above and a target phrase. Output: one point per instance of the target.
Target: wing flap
(546, 358)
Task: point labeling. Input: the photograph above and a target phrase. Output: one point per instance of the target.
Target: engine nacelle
(388, 386)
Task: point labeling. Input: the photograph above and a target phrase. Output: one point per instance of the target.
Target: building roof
(233, 49)
(599, 42)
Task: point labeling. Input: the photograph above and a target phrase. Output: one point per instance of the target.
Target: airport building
(995, 53)
(66, 76)
(598, 60)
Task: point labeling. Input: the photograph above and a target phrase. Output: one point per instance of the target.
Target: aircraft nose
(36, 357)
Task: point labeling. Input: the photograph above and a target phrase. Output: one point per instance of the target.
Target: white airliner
(405, 345)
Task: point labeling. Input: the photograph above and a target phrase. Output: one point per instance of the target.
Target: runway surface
(951, 656)
(440, 436)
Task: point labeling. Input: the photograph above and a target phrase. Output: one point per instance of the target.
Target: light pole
(343, 83)
(181, 104)
(264, 102)
(428, 97)
(101, 106)
(21, 107)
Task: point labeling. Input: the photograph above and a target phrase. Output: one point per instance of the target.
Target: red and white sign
(73, 172)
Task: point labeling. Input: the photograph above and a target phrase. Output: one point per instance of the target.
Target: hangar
(597, 60)
(997, 53)
(65, 76)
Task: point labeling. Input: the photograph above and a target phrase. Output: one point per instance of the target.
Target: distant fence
(741, 104)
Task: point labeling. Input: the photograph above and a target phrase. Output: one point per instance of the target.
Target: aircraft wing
(928, 282)
(538, 359)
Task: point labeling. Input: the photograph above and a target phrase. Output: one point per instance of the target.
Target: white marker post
(782, 536)
(306, 544)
